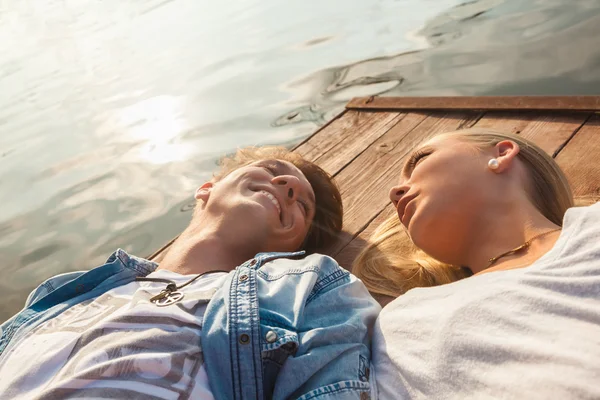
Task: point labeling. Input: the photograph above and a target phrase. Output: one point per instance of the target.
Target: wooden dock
(365, 147)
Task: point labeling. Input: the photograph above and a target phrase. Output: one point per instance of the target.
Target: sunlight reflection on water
(153, 126)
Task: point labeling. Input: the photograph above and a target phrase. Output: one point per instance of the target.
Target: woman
(527, 324)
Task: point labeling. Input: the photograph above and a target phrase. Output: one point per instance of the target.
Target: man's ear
(506, 152)
(203, 192)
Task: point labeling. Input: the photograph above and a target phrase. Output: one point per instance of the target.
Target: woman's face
(443, 189)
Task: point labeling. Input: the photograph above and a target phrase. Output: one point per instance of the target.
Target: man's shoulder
(324, 272)
(298, 262)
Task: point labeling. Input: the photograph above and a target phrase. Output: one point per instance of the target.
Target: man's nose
(290, 185)
(397, 192)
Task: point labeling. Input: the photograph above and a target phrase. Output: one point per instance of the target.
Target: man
(216, 319)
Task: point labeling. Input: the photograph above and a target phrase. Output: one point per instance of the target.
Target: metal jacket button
(243, 278)
(271, 336)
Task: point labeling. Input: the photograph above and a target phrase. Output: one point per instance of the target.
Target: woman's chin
(420, 237)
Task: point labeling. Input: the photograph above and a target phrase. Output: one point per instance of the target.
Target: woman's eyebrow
(406, 169)
(410, 162)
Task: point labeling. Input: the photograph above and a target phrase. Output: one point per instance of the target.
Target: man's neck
(201, 251)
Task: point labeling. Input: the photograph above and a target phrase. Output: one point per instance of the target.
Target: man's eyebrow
(276, 165)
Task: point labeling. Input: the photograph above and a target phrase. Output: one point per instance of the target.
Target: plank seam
(369, 146)
(402, 115)
(358, 232)
(575, 131)
(477, 119)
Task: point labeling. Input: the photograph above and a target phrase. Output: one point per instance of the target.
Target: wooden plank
(355, 143)
(558, 103)
(365, 182)
(550, 131)
(346, 138)
(334, 120)
(580, 160)
(327, 136)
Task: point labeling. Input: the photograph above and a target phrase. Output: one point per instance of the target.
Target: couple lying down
(490, 275)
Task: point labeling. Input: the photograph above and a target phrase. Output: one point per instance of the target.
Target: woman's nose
(396, 193)
(290, 185)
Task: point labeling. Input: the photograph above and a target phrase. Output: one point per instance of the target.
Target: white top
(118, 345)
(530, 333)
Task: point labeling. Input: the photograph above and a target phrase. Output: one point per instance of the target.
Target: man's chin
(283, 240)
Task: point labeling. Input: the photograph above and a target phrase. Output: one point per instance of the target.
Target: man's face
(268, 205)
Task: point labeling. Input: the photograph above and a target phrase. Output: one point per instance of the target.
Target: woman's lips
(402, 209)
(408, 213)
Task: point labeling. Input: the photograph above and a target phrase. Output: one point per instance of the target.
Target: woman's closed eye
(415, 159)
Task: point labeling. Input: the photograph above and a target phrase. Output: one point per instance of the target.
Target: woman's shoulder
(580, 230)
(582, 215)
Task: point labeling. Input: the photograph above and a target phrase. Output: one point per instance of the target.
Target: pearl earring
(493, 164)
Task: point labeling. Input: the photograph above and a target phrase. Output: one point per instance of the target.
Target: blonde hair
(391, 264)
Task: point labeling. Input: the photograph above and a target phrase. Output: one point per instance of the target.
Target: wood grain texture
(580, 160)
(556, 103)
(339, 143)
(327, 136)
(550, 131)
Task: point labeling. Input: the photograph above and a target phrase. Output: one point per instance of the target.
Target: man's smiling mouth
(273, 200)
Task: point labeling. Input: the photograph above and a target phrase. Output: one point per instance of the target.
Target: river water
(113, 111)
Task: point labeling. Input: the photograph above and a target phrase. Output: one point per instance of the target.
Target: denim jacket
(280, 327)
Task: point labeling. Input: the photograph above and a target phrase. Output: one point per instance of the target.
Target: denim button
(244, 338)
(364, 396)
(271, 336)
(253, 262)
(243, 278)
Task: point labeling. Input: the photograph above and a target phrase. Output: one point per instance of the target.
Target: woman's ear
(505, 151)
(203, 192)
